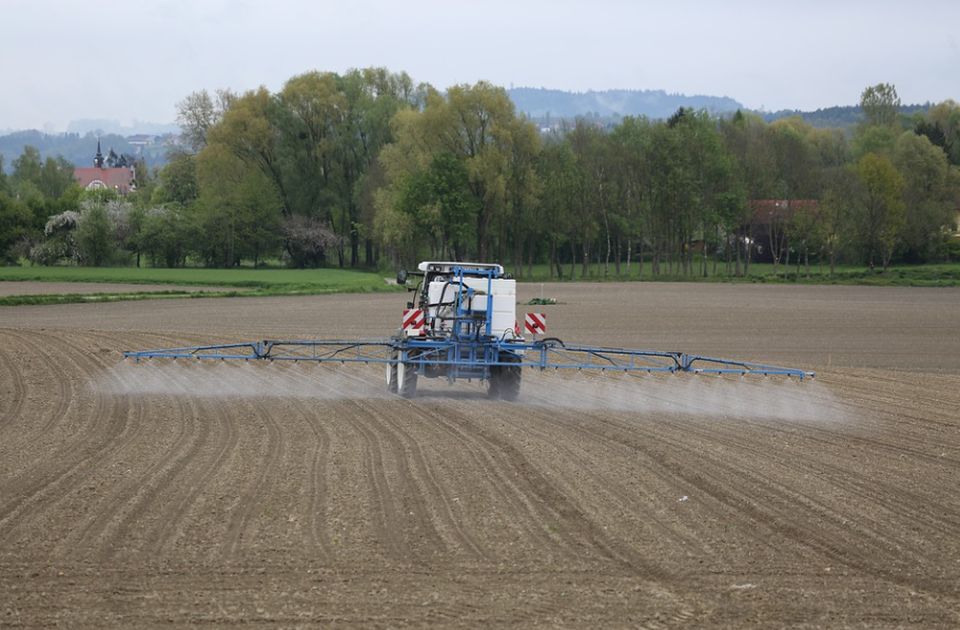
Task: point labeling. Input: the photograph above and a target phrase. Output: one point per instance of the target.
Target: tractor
(462, 324)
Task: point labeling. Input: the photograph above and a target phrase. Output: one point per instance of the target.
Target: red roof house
(99, 176)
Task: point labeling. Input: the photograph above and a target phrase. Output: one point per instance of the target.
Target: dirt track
(188, 507)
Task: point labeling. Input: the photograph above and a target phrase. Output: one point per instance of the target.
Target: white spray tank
(443, 290)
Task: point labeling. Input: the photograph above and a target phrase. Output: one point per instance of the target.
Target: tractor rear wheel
(407, 380)
(505, 379)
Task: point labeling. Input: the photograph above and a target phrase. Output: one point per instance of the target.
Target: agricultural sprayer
(463, 325)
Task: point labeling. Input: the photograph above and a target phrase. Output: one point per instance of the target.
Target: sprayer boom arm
(542, 354)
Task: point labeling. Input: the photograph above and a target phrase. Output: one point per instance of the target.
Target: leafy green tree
(881, 105)
(591, 159)
(238, 213)
(94, 237)
(805, 231)
(944, 118)
(4, 184)
(15, 225)
(248, 130)
(27, 168)
(165, 235)
(927, 194)
(56, 176)
(630, 142)
(178, 179)
(520, 221)
(880, 210)
(439, 202)
(877, 139)
(754, 174)
(477, 124)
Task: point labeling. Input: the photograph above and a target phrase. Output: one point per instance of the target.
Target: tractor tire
(392, 377)
(407, 380)
(505, 379)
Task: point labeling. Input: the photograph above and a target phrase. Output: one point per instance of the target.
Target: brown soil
(185, 506)
(48, 288)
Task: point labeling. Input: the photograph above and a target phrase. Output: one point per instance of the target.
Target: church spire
(98, 159)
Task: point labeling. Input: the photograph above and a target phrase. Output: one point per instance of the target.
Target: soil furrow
(128, 510)
(256, 495)
(64, 470)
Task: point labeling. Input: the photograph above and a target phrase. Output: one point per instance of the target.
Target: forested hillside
(542, 103)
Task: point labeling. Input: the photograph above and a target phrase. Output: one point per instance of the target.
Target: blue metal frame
(469, 359)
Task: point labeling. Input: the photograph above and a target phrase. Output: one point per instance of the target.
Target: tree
(248, 131)
(881, 105)
(178, 179)
(478, 125)
(237, 214)
(94, 236)
(165, 235)
(15, 224)
(27, 168)
(945, 118)
(879, 207)
(557, 171)
(4, 185)
(56, 176)
(198, 112)
(308, 239)
(590, 184)
(926, 193)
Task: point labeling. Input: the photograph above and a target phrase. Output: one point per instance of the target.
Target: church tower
(98, 158)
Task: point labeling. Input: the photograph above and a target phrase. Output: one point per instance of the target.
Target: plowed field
(144, 495)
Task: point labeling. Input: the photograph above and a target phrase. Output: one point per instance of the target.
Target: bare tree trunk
(530, 251)
(556, 258)
(518, 256)
(629, 253)
(740, 243)
(553, 258)
(616, 260)
(606, 233)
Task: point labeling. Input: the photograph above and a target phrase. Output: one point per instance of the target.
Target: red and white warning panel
(535, 323)
(413, 322)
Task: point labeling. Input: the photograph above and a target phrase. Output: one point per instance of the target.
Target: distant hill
(839, 117)
(80, 149)
(104, 126)
(549, 107)
(543, 104)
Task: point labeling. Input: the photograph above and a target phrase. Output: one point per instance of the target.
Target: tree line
(370, 169)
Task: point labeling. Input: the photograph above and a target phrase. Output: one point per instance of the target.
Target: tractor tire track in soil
(13, 394)
(240, 530)
(102, 430)
(329, 506)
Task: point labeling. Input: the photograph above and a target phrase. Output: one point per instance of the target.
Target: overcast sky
(62, 60)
